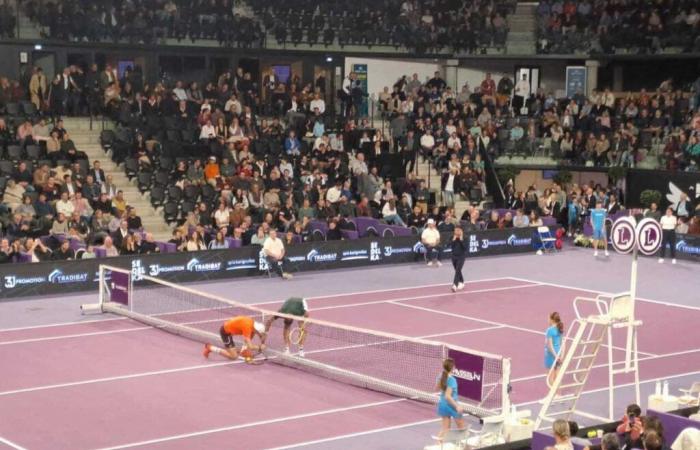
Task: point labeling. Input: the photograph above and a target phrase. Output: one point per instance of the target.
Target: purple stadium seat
(24, 257)
(318, 225)
(364, 222)
(549, 221)
(234, 243)
(76, 244)
(350, 234)
(100, 252)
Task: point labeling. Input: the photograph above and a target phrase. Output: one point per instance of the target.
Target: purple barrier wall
(673, 424)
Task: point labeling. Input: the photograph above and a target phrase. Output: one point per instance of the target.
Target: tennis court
(112, 382)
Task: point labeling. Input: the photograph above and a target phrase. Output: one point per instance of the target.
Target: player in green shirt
(293, 306)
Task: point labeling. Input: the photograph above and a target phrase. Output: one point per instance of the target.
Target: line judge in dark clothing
(459, 253)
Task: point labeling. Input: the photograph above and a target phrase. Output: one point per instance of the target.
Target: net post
(505, 388)
(633, 301)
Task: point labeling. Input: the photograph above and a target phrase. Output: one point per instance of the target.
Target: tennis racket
(298, 334)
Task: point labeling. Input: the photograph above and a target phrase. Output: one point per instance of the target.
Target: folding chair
(693, 391)
(547, 240)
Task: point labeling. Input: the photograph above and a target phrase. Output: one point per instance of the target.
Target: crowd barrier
(60, 277)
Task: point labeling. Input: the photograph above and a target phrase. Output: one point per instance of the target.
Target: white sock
(217, 350)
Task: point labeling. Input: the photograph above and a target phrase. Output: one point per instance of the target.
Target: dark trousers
(432, 253)
(275, 265)
(458, 263)
(669, 237)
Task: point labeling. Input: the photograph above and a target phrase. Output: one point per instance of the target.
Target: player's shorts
(226, 338)
(599, 234)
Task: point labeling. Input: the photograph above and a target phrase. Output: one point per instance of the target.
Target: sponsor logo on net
(352, 255)
(683, 247)
(241, 264)
(315, 256)
(467, 375)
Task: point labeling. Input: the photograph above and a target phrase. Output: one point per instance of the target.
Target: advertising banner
(576, 78)
(469, 372)
(35, 279)
(670, 184)
(119, 287)
(361, 71)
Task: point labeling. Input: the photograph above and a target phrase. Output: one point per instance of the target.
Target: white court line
(267, 302)
(407, 425)
(99, 333)
(421, 297)
(201, 366)
(574, 288)
(118, 378)
(61, 324)
(11, 444)
(512, 327)
(359, 433)
(485, 280)
(79, 335)
(254, 424)
(602, 366)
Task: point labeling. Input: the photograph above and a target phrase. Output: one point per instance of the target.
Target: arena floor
(97, 382)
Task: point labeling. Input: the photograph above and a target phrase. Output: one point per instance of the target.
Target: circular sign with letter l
(622, 234)
(649, 236)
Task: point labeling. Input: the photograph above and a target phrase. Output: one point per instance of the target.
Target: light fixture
(329, 59)
(38, 47)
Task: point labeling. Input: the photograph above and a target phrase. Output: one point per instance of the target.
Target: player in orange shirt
(245, 327)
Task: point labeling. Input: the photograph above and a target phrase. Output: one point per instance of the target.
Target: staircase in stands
(88, 141)
(522, 26)
(433, 181)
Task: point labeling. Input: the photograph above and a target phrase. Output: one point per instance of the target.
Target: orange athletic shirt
(241, 325)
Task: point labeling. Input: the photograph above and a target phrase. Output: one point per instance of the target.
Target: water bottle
(657, 390)
(665, 393)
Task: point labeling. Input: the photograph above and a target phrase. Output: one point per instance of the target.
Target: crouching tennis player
(293, 306)
(245, 327)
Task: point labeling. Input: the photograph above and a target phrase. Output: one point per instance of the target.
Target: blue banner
(576, 78)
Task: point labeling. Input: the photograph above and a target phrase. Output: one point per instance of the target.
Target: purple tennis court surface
(116, 383)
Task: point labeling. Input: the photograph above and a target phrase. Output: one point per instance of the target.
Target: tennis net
(397, 365)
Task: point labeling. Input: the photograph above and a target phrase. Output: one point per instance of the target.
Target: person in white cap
(431, 240)
(245, 327)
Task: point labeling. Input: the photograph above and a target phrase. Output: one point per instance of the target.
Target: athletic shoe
(438, 263)
(539, 253)
(460, 286)
(673, 261)
(661, 260)
(606, 253)
(301, 353)
(206, 351)
(286, 351)
(287, 276)
(595, 254)
(454, 288)
(430, 264)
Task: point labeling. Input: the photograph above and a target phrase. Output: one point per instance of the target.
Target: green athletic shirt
(294, 306)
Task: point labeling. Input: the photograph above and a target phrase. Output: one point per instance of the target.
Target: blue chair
(547, 240)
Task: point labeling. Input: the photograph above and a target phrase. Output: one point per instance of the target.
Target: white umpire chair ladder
(580, 348)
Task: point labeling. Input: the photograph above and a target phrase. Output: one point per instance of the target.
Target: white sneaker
(661, 260)
(454, 288)
(673, 261)
(539, 252)
(438, 263)
(287, 276)
(286, 351)
(460, 286)
(430, 264)
(595, 254)
(301, 352)
(606, 253)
